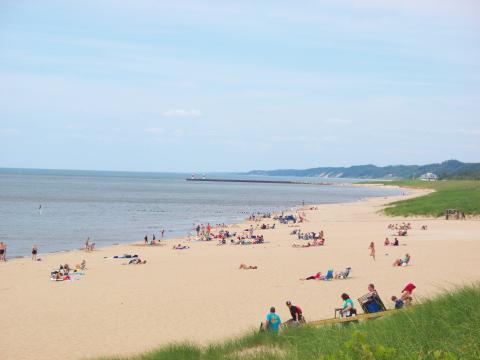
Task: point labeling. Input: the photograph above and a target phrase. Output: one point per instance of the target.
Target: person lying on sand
(124, 256)
(136, 261)
(317, 276)
(58, 276)
(247, 267)
(180, 247)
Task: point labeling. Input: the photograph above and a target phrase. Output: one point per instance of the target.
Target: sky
(189, 86)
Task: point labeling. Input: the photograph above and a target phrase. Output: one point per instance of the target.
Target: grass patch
(463, 195)
(447, 327)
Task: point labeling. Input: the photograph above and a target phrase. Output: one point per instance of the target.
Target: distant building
(428, 177)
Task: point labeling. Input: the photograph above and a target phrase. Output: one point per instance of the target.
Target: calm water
(124, 207)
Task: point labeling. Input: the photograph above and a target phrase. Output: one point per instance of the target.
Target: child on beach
(34, 252)
(372, 250)
(398, 302)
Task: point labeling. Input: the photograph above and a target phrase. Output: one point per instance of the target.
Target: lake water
(57, 210)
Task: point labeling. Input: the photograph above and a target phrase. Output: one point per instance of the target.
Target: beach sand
(199, 295)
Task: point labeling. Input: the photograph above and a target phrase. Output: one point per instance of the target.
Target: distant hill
(446, 169)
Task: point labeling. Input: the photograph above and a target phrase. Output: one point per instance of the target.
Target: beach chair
(328, 275)
(371, 303)
(345, 273)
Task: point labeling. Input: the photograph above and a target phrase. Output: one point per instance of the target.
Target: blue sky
(230, 86)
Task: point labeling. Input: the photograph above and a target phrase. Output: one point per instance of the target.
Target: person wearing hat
(296, 313)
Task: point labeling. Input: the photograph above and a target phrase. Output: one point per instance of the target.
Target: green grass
(447, 327)
(463, 195)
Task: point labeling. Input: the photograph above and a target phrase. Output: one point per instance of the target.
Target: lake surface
(57, 210)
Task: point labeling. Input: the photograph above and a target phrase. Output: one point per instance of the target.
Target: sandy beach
(200, 295)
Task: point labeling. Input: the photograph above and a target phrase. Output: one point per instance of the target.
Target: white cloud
(183, 113)
(337, 121)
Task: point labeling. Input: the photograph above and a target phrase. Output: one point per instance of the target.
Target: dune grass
(463, 195)
(447, 327)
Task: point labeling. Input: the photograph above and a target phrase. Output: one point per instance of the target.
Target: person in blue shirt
(273, 321)
(398, 302)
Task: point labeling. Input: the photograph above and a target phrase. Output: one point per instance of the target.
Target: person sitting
(398, 302)
(297, 315)
(273, 321)
(386, 242)
(402, 262)
(317, 276)
(395, 242)
(348, 309)
(344, 273)
(247, 267)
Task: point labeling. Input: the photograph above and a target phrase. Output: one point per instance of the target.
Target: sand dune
(200, 295)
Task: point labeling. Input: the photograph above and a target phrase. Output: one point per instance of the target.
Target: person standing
(198, 230)
(163, 232)
(273, 321)
(3, 250)
(145, 240)
(34, 252)
(372, 250)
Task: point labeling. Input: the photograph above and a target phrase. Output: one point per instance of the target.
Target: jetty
(258, 181)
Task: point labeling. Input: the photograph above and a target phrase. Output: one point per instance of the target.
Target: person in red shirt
(407, 293)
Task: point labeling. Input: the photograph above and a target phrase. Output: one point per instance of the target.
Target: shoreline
(421, 192)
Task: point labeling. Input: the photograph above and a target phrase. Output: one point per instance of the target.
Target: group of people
(387, 242)
(348, 307)
(273, 321)
(89, 246)
(64, 271)
(154, 240)
(3, 252)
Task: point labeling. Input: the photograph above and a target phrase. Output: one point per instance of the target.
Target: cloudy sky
(235, 85)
